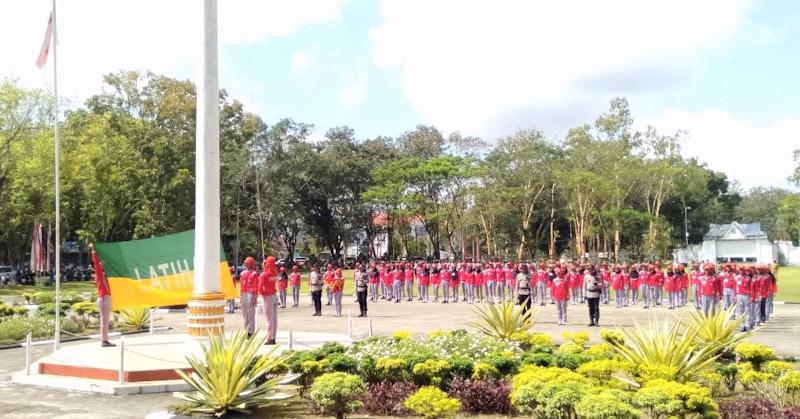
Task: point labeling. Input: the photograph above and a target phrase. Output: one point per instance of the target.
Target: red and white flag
(48, 38)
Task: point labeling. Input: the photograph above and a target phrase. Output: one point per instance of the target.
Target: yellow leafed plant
(501, 321)
(228, 376)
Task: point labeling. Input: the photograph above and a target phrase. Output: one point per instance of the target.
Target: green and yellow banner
(155, 272)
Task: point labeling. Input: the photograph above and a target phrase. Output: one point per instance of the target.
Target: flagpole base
(206, 314)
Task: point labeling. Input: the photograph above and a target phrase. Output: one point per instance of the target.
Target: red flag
(36, 248)
(48, 38)
(49, 247)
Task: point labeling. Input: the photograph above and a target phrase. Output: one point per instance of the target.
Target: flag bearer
(103, 297)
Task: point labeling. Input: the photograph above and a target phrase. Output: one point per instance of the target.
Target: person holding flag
(103, 297)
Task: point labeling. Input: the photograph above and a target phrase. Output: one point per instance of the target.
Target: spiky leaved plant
(134, 318)
(502, 320)
(224, 378)
(718, 328)
(666, 350)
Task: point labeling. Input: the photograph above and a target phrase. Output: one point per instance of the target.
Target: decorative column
(206, 308)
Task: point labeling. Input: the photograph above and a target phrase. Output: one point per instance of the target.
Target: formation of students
(751, 288)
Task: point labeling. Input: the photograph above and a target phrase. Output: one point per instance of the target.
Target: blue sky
(723, 70)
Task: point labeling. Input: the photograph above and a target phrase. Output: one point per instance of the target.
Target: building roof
(735, 231)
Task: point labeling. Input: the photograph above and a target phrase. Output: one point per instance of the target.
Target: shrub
(505, 363)
(9, 311)
(578, 338)
(461, 367)
(343, 363)
(711, 380)
(502, 321)
(41, 297)
(392, 369)
(337, 393)
(70, 325)
(49, 309)
(484, 371)
(751, 378)
(605, 406)
(328, 349)
(539, 359)
(430, 372)
(754, 353)
(558, 400)
(601, 351)
(430, 402)
(85, 308)
(730, 374)
(528, 384)
(14, 329)
(296, 359)
(599, 371)
(612, 337)
(665, 345)
(571, 360)
(790, 384)
(482, 396)
(386, 398)
(570, 348)
(777, 368)
(661, 399)
(528, 340)
(367, 370)
(134, 318)
(755, 408)
(224, 378)
(650, 372)
(402, 335)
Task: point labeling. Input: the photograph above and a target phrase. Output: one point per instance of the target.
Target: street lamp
(686, 223)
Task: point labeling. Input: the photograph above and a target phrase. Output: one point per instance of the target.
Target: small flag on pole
(37, 256)
(48, 37)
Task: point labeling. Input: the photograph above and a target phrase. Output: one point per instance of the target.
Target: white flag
(48, 37)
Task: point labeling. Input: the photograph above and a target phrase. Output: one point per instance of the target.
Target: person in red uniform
(267, 289)
(283, 285)
(728, 285)
(618, 285)
(670, 287)
(103, 297)
(248, 292)
(409, 281)
(574, 283)
(336, 284)
(424, 280)
(560, 294)
(743, 289)
(294, 281)
(709, 290)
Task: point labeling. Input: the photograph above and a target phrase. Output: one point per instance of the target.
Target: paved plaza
(23, 401)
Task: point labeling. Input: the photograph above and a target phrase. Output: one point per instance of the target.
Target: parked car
(301, 260)
(7, 274)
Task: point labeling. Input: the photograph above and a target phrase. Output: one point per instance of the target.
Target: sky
(725, 71)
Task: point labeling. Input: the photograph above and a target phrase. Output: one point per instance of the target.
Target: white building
(738, 242)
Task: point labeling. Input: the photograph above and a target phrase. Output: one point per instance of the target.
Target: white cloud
(304, 60)
(97, 37)
(753, 154)
(353, 91)
(488, 67)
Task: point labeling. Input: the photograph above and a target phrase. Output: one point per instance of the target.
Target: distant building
(738, 242)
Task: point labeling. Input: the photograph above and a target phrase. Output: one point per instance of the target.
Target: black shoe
(270, 342)
(107, 344)
(591, 324)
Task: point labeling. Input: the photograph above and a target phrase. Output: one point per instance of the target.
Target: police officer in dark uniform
(361, 290)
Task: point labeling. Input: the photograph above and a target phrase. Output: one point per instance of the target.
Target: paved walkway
(20, 401)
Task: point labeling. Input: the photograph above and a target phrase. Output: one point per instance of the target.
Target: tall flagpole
(206, 308)
(57, 338)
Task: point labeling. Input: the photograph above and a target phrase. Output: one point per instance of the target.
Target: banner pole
(57, 326)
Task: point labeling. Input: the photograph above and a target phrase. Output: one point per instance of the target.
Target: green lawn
(789, 284)
(72, 286)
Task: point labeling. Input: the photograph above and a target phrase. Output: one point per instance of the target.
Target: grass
(72, 286)
(789, 284)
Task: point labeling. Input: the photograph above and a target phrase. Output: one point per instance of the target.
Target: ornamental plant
(666, 399)
(599, 371)
(790, 384)
(718, 328)
(528, 385)
(484, 371)
(601, 351)
(537, 358)
(667, 347)
(431, 402)
(612, 337)
(225, 377)
(605, 405)
(528, 340)
(386, 398)
(754, 353)
(578, 338)
(482, 396)
(134, 318)
(777, 368)
(392, 369)
(730, 375)
(501, 321)
(559, 400)
(430, 372)
(337, 393)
